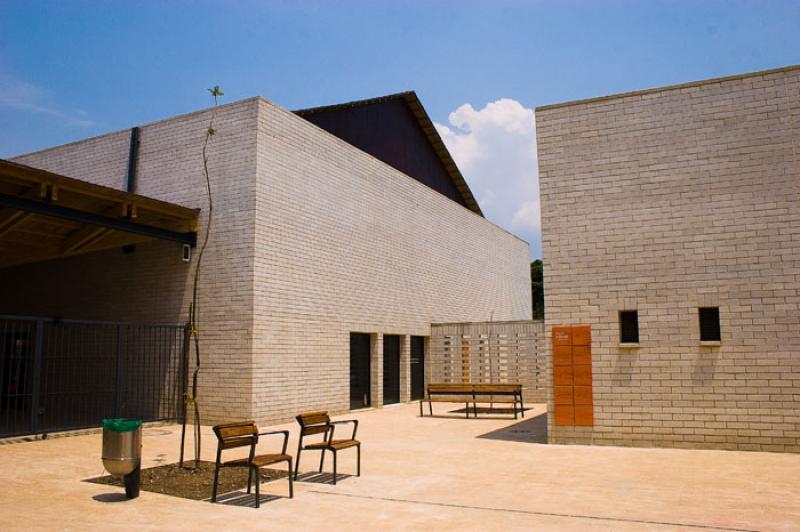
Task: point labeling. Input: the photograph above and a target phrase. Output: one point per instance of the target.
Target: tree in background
(537, 289)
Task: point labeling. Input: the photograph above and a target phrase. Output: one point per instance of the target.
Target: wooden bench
(473, 393)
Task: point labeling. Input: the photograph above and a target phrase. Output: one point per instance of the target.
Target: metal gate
(69, 374)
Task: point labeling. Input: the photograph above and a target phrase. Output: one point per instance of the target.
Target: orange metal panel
(562, 355)
(565, 415)
(562, 376)
(581, 335)
(583, 395)
(581, 375)
(582, 355)
(562, 350)
(563, 395)
(562, 335)
(584, 415)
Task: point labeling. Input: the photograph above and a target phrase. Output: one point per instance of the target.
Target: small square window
(709, 324)
(629, 326)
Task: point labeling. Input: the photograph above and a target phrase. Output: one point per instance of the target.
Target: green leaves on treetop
(216, 91)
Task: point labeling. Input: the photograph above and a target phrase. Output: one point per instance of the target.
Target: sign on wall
(572, 375)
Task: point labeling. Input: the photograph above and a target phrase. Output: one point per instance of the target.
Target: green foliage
(537, 289)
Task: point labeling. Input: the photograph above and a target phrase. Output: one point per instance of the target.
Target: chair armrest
(275, 432)
(353, 421)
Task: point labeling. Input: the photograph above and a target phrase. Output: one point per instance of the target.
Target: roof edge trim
(677, 86)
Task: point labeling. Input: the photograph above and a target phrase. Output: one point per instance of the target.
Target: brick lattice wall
(492, 352)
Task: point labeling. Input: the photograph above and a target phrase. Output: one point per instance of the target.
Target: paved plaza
(441, 473)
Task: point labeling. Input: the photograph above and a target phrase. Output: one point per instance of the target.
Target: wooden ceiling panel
(45, 216)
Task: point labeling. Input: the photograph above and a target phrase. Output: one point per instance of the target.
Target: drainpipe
(133, 155)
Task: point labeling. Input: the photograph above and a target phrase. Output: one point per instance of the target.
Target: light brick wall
(665, 201)
(313, 239)
(153, 284)
(348, 244)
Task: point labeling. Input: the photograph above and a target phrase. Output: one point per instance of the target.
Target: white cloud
(24, 96)
(495, 148)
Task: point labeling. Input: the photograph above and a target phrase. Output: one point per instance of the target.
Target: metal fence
(69, 374)
(490, 352)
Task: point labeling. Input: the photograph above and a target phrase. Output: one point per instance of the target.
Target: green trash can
(122, 452)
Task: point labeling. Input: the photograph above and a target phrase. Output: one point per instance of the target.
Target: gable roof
(429, 130)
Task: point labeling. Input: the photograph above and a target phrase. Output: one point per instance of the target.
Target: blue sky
(69, 70)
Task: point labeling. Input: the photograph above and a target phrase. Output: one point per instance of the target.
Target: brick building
(671, 227)
(320, 252)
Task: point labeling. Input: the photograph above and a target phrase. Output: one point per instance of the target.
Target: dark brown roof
(425, 123)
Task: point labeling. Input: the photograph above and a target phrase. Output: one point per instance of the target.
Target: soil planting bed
(190, 483)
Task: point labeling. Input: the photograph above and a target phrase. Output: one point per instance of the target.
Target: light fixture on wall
(186, 253)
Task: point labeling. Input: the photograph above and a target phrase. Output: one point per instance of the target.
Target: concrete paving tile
(443, 473)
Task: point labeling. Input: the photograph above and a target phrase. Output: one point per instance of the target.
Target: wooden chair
(242, 434)
(319, 423)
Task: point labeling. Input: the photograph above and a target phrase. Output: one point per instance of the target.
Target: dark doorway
(417, 367)
(391, 369)
(359, 370)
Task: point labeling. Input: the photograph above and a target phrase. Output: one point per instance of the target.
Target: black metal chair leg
(466, 406)
(321, 460)
(420, 408)
(216, 480)
(249, 478)
(258, 491)
(515, 410)
(430, 407)
(358, 462)
(334, 467)
(291, 486)
(521, 405)
(297, 464)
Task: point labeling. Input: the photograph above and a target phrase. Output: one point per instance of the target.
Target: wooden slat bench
(473, 393)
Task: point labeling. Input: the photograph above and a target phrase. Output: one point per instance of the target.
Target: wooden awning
(44, 216)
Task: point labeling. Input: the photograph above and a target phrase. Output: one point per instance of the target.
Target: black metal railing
(69, 374)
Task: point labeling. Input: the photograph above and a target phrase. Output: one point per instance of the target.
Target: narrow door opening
(391, 369)
(417, 367)
(359, 370)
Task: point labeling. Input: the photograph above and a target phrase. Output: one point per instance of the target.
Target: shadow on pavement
(110, 497)
(242, 498)
(321, 478)
(533, 430)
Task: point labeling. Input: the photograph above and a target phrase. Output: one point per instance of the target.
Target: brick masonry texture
(665, 201)
(347, 243)
(312, 239)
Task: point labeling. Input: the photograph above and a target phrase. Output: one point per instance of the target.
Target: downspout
(133, 156)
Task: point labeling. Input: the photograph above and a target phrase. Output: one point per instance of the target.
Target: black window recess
(709, 324)
(629, 326)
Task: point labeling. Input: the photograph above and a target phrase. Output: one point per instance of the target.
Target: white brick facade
(312, 239)
(664, 201)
